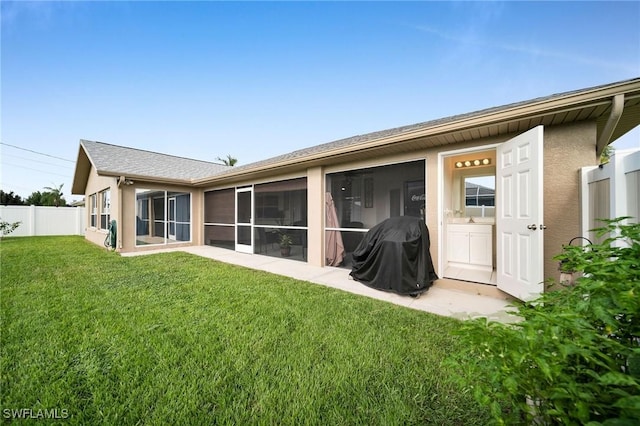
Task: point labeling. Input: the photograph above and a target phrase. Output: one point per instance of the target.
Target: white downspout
(617, 106)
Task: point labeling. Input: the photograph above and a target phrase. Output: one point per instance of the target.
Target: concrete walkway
(442, 298)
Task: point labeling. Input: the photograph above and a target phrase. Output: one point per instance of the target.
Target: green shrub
(574, 356)
(7, 228)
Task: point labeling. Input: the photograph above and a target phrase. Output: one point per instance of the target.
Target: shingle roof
(476, 189)
(119, 160)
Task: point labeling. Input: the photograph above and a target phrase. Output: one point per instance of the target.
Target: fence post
(585, 200)
(79, 214)
(32, 220)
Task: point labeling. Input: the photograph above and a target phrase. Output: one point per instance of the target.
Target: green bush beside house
(575, 356)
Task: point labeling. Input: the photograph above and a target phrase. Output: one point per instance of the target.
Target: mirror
(480, 196)
(471, 190)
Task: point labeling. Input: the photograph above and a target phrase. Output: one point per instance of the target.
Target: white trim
(442, 155)
(171, 236)
(270, 179)
(585, 172)
(244, 248)
(93, 210)
(104, 211)
(218, 224)
(389, 161)
(363, 230)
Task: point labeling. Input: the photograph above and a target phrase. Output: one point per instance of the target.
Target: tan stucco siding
(315, 216)
(566, 150)
(96, 184)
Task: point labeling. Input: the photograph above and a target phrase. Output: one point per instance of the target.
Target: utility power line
(36, 152)
(35, 161)
(38, 170)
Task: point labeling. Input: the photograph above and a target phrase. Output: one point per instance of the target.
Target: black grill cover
(394, 256)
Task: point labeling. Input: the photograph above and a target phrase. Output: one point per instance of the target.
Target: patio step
(472, 288)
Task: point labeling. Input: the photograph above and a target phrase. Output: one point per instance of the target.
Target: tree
(10, 199)
(53, 195)
(35, 199)
(46, 198)
(229, 161)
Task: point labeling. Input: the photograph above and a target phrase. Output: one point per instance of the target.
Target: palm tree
(55, 194)
(229, 161)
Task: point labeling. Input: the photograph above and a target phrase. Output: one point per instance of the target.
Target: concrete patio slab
(443, 298)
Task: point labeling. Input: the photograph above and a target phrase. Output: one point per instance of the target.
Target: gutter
(132, 178)
(617, 106)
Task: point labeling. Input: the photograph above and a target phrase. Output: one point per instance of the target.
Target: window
(362, 198)
(162, 217)
(93, 205)
(365, 197)
(105, 208)
(281, 215)
(219, 218)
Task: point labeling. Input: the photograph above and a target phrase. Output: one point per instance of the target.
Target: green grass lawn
(178, 339)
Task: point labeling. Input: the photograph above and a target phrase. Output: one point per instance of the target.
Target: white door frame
(244, 248)
(524, 288)
(442, 223)
(171, 212)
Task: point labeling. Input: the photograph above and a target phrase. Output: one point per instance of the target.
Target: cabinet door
(480, 248)
(459, 246)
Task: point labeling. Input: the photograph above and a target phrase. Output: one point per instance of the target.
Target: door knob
(543, 227)
(532, 227)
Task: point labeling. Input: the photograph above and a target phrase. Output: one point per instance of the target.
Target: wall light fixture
(473, 163)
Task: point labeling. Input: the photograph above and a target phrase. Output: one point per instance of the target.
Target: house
(326, 197)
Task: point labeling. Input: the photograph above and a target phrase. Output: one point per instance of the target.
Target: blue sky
(258, 79)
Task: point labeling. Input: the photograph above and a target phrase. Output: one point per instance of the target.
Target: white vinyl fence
(611, 190)
(40, 220)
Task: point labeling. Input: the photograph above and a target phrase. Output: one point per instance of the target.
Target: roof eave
(82, 170)
(142, 178)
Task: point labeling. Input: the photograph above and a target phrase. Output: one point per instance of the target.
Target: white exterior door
(244, 220)
(519, 214)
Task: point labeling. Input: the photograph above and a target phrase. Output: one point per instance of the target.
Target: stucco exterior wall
(566, 150)
(315, 216)
(95, 184)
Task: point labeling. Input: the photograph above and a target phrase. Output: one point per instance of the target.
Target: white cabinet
(470, 243)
